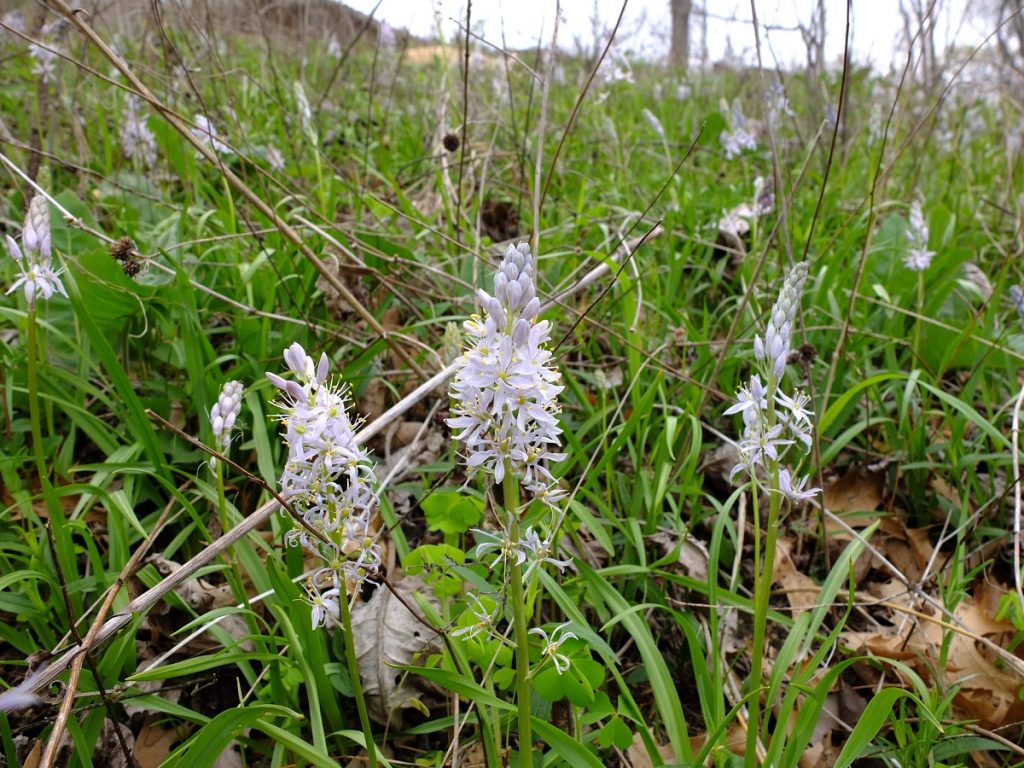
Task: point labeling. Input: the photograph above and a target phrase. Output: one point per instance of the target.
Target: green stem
(920, 312)
(510, 486)
(222, 504)
(756, 660)
(357, 685)
(53, 509)
(33, 398)
(762, 577)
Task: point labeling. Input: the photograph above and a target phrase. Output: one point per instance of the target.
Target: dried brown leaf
(986, 692)
(855, 497)
(693, 553)
(638, 757)
(801, 590)
(155, 740)
(387, 635)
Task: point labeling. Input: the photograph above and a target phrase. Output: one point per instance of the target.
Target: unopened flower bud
(36, 236)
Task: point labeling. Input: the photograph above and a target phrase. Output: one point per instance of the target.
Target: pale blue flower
(328, 479)
(504, 393)
(553, 643)
(38, 278)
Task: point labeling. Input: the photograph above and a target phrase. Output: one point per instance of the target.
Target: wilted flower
(553, 643)
(328, 479)
(484, 615)
(504, 391)
(223, 415)
(37, 276)
(137, 141)
(918, 256)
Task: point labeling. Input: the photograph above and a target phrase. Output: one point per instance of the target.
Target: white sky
(877, 25)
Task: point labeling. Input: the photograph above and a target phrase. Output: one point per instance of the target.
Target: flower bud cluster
(918, 256)
(305, 113)
(773, 350)
(504, 391)
(328, 480)
(223, 416)
(772, 420)
(137, 141)
(37, 276)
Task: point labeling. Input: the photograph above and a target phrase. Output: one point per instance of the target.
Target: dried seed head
(450, 142)
(131, 268)
(122, 248)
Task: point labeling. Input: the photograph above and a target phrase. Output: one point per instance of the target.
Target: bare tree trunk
(679, 55)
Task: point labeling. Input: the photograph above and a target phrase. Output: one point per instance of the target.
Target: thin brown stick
(952, 622)
(579, 100)
(90, 637)
(465, 126)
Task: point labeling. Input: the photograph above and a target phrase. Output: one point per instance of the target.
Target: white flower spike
(223, 415)
(37, 279)
(505, 389)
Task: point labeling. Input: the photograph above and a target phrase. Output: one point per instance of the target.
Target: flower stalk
(524, 693)
(357, 684)
(329, 482)
(504, 411)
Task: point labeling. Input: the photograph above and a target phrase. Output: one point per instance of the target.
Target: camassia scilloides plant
(504, 413)
(329, 483)
(773, 423)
